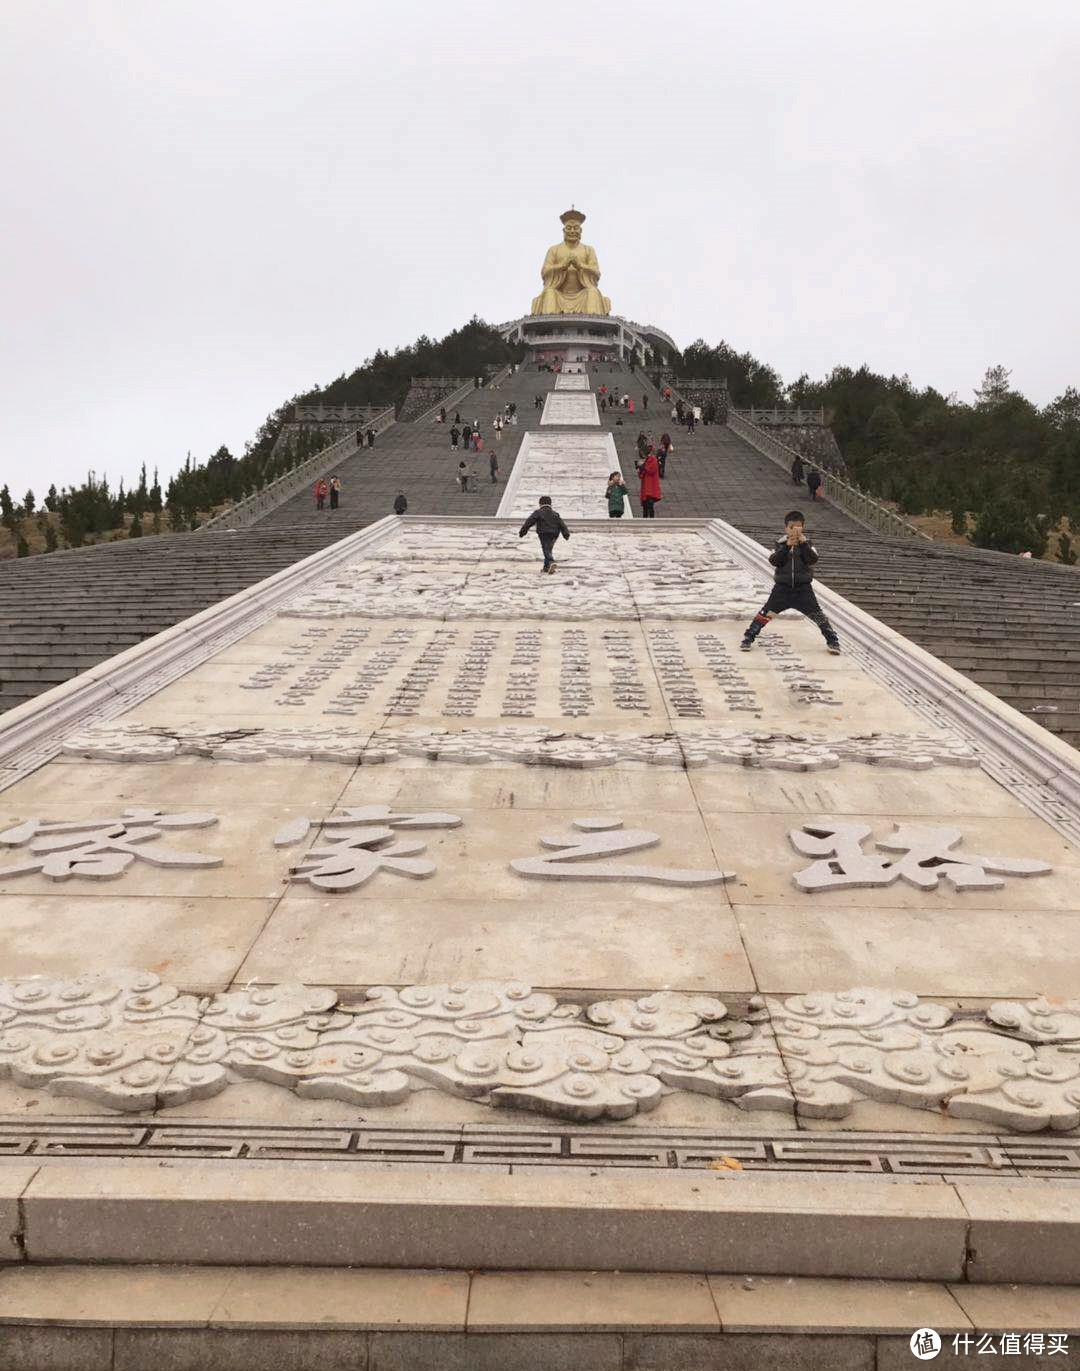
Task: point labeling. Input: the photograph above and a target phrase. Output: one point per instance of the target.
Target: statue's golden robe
(570, 273)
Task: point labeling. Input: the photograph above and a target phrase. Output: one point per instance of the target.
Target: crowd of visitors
(610, 399)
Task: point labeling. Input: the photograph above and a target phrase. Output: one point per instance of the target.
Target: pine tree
(1008, 527)
(994, 388)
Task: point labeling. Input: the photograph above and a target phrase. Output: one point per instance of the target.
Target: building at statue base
(554, 339)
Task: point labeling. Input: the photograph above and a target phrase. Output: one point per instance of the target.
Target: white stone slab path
(570, 411)
(572, 468)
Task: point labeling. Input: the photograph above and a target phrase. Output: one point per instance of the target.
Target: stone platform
(410, 906)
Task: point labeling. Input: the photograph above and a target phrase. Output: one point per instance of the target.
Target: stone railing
(782, 416)
(703, 382)
(346, 414)
(862, 507)
(247, 512)
(695, 394)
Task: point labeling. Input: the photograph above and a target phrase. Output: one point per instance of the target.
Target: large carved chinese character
(367, 846)
(100, 849)
(927, 858)
(588, 857)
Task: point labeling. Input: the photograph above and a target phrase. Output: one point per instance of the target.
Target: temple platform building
(557, 339)
(411, 959)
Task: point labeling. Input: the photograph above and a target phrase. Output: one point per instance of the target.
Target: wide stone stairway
(417, 459)
(1010, 624)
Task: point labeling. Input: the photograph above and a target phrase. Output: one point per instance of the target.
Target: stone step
(529, 1218)
(100, 1318)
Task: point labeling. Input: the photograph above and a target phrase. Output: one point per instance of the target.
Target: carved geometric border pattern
(865, 1154)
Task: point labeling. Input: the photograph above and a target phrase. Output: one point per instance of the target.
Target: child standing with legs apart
(548, 524)
(794, 558)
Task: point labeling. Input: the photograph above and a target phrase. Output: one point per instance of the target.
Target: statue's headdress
(572, 216)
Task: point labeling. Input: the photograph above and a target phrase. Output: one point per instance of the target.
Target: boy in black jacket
(548, 525)
(794, 558)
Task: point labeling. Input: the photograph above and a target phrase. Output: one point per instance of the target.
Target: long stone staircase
(416, 458)
(1010, 624)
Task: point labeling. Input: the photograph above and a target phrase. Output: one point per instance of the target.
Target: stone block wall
(424, 392)
(816, 443)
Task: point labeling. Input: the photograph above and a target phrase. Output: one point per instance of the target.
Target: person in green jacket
(616, 495)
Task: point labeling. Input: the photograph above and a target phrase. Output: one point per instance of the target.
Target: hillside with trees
(996, 470)
(1004, 473)
(93, 512)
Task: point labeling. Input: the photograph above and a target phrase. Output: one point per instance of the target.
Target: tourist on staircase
(616, 494)
(650, 485)
(798, 471)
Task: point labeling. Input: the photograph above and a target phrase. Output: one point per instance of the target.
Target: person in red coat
(650, 485)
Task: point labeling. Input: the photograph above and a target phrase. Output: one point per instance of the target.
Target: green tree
(885, 430)
(7, 509)
(994, 388)
(29, 504)
(1008, 527)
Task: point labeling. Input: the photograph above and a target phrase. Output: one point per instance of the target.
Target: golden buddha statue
(570, 273)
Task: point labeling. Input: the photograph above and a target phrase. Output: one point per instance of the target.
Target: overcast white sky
(209, 207)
